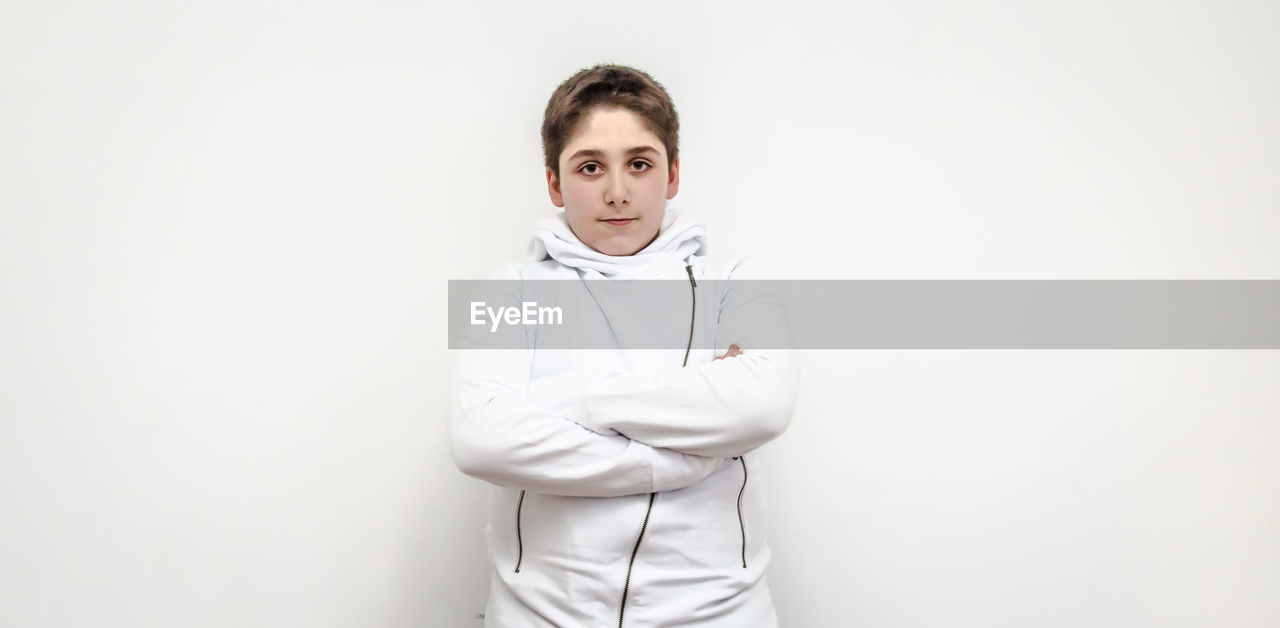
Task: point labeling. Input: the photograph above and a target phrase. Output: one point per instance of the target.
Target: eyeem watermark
(869, 314)
(527, 314)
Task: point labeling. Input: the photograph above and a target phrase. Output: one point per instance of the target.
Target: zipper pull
(689, 268)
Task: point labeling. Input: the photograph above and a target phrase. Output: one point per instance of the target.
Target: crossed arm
(726, 407)
(636, 432)
(499, 434)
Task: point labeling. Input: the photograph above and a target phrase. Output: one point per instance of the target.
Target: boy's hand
(734, 350)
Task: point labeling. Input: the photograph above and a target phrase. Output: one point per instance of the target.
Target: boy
(620, 477)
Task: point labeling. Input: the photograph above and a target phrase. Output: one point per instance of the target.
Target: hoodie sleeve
(498, 434)
(720, 408)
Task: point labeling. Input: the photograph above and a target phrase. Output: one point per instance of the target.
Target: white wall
(226, 233)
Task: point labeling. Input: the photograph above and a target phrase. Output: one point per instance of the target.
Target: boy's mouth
(618, 221)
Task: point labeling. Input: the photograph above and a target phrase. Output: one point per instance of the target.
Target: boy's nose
(617, 193)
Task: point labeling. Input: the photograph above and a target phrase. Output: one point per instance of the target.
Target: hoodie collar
(679, 237)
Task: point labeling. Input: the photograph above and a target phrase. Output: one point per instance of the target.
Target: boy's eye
(594, 168)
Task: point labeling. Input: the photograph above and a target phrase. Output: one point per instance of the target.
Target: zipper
(741, 524)
(693, 285)
(635, 550)
(626, 587)
(519, 541)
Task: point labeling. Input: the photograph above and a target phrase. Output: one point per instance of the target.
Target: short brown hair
(608, 85)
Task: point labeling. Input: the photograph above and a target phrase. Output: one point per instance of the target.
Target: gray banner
(866, 314)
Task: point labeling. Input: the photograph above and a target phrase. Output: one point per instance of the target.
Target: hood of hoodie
(679, 237)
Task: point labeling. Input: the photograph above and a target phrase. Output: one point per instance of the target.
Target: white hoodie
(621, 493)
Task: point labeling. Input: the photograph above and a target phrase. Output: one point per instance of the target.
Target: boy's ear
(673, 179)
(553, 189)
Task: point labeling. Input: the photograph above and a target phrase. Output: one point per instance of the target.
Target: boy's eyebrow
(591, 152)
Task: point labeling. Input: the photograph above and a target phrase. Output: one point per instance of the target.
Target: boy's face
(614, 182)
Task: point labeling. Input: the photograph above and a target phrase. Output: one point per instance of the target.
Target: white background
(227, 231)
